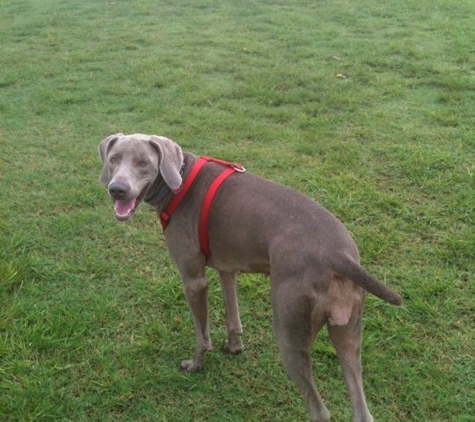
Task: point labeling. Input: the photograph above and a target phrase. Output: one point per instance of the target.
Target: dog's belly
(238, 266)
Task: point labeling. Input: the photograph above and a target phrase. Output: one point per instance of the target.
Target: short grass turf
(365, 106)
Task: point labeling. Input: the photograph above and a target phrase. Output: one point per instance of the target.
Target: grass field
(365, 106)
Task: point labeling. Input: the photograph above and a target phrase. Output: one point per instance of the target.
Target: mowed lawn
(366, 106)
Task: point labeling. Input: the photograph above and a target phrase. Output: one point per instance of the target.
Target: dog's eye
(143, 163)
(113, 160)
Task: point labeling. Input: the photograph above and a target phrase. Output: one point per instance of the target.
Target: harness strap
(206, 208)
(208, 199)
(175, 201)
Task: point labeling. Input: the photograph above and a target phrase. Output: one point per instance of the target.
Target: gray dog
(217, 215)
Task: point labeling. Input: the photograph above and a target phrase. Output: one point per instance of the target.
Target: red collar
(165, 216)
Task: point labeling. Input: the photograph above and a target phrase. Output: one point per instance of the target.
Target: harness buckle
(238, 168)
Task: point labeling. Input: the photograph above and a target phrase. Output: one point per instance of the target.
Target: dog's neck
(159, 191)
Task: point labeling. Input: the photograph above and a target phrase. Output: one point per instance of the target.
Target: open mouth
(126, 209)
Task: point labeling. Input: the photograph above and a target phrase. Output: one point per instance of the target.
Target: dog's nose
(118, 190)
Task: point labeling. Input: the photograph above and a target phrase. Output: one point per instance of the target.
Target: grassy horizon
(367, 107)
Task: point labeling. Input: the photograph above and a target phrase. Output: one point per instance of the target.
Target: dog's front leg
(196, 292)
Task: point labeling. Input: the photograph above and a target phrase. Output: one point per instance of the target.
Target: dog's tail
(351, 269)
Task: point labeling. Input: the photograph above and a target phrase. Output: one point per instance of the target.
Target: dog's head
(131, 165)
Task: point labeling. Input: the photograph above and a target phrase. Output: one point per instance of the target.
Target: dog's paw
(190, 366)
(233, 346)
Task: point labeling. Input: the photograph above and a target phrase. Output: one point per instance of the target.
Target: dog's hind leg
(347, 341)
(233, 344)
(295, 331)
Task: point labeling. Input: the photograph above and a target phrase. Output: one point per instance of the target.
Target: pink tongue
(124, 208)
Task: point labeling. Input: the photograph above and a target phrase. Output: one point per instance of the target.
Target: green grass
(93, 322)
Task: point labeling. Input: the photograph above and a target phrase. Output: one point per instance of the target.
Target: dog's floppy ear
(170, 160)
(104, 148)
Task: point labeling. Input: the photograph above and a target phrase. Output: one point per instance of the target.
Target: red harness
(165, 216)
